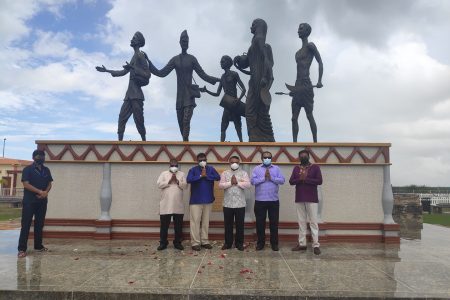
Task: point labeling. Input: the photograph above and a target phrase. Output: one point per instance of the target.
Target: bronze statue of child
(233, 108)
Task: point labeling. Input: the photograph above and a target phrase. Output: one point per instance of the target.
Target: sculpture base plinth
(351, 208)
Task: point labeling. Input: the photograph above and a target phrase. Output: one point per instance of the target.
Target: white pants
(305, 211)
(199, 213)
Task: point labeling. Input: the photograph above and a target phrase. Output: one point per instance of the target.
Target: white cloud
(384, 79)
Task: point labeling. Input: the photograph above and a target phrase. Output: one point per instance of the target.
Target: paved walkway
(120, 269)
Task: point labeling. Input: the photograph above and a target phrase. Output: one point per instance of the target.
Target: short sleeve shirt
(40, 179)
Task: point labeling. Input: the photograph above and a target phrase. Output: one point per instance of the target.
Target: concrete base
(118, 180)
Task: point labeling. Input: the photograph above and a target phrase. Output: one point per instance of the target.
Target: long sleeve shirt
(234, 195)
(306, 189)
(267, 190)
(202, 188)
(184, 65)
(134, 91)
(171, 201)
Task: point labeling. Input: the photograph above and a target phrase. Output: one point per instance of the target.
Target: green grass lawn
(7, 213)
(439, 219)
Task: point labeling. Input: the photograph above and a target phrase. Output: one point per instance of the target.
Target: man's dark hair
(38, 152)
(265, 152)
(201, 154)
(173, 161)
(235, 157)
(304, 151)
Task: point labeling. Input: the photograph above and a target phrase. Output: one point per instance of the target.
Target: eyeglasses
(200, 160)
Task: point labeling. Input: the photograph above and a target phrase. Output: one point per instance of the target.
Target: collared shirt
(171, 193)
(306, 190)
(202, 188)
(134, 91)
(234, 195)
(40, 179)
(267, 190)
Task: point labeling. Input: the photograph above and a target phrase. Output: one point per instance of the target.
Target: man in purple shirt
(266, 178)
(306, 177)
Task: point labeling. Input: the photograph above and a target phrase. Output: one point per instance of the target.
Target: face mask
(304, 160)
(234, 166)
(39, 161)
(267, 161)
(173, 169)
(202, 164)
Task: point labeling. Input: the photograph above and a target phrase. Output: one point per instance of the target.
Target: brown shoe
(207, 246)
(196, 248)
(299, 248)
(316, 251)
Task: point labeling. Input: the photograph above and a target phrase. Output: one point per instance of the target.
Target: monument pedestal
(107, 189)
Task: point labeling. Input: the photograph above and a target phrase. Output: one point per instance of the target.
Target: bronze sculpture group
(257, 63)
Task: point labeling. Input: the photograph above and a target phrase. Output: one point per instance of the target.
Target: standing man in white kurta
(172, 183)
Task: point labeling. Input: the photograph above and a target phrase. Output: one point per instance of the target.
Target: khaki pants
(305, 211)
(199, 213)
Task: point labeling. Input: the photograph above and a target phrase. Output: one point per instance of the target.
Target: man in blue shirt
(202, 179)
(37, 182)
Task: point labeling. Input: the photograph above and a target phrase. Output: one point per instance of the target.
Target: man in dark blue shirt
(202, 179)
(37, 182)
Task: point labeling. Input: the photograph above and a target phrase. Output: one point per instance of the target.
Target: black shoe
(275, 248)
(178, 246)
(196, 248)
(226, 247)
(316, 251)
(240, 247)
(259, 247)
(42, 249)
(162, 247)
(207, 246)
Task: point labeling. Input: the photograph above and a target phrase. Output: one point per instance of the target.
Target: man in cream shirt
(172, 183)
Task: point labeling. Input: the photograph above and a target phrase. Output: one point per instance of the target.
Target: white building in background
(435, 198)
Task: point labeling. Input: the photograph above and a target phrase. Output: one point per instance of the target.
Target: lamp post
(4, 142)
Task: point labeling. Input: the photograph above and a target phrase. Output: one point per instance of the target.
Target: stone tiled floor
(88, 269)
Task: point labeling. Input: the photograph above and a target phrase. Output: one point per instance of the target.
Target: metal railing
(11, 192)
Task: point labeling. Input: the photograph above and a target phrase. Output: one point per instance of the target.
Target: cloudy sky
(386, 71)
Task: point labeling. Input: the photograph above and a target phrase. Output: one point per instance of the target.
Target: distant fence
(11, 193)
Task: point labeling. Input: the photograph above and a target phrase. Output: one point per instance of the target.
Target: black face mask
(39, 161)
(304, 160)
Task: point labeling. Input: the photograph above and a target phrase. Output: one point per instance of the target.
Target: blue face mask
(267, 161)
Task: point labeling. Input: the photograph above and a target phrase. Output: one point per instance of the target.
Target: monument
(184, 65)
(259, 60)
(302, 93)
(233, 108)
(119, 198)
(133, 103)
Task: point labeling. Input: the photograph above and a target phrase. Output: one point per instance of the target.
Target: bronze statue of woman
(260, 61)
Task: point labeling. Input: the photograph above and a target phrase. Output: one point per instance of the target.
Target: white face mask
(202, 164)
(234, 166)
(173, 169)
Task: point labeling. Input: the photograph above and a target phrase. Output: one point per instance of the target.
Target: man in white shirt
(172, 183)
(234, 181)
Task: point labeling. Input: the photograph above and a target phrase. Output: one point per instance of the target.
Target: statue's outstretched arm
(164, 71)
(198, 69)
(112, 72)
(216, 94)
